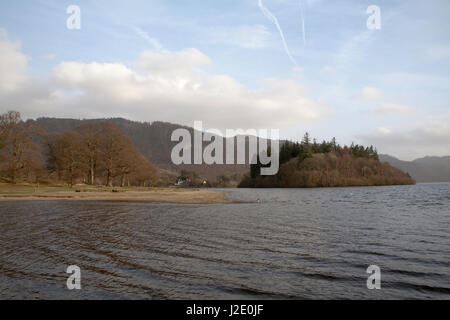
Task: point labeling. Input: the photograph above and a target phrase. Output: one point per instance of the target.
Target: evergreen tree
(306, 139)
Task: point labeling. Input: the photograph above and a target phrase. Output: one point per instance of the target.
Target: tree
(90, 140)
(306, 139)
(19, 152)
(69, 157)
(117, 154)
(132, 163)
(306, 149)
(3, 131)
(51, 144)
(334, 144)
(315, 146)
(144, 173)
(305, 152)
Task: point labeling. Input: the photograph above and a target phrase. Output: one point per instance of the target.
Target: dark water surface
(294, 243)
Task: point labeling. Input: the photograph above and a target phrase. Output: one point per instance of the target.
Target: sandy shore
(171, 195)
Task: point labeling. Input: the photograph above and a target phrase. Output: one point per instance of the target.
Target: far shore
(10, 192)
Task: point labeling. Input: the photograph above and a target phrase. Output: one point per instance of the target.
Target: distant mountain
(153, 141)
(427, 169)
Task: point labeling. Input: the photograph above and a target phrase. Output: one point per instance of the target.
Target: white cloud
(408, 80)
(166, 86)
(171, 64)
(13, 64)
(392, 108)
(382, 131)
(246, 36)
(430, 138)
(369, 93)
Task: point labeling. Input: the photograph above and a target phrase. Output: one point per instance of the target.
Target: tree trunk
(92, 171)
(91, 176)
(13, 175)
(108, 179)
(71, 176)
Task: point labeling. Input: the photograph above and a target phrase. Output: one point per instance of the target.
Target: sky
(297, 66)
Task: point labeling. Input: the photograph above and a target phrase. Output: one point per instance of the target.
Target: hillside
(427, 169)
(332, 169)
(152, 140)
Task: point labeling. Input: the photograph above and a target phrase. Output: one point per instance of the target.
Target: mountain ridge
(152, 139)
(425, 169)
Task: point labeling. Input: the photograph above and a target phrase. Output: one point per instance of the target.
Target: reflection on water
(294, 243)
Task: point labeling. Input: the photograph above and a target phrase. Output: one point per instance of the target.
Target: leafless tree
(19, 152)
(90, 140)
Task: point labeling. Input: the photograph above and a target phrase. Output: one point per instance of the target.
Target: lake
(274, 244)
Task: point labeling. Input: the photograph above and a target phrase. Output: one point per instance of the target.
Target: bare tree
(120, 158)
(69, 157)
(93, 150)
(114, 146)
(90, 139)
(51, 144)
(19, 151)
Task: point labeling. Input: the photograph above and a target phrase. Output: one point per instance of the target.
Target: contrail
(303, 23)
(144, 35)
(274, 20)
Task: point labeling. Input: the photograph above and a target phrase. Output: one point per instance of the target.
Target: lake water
(278, 244)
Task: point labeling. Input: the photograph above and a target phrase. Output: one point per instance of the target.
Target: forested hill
(327, 164)
(152, 140)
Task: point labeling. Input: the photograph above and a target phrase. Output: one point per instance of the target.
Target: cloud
(382, 131)
(369, 93)
(13, 64)
(392, 108)
(430, 138)
(166, 86)
(3, 35)
(408, 80)
(246, 36)
(175, 64)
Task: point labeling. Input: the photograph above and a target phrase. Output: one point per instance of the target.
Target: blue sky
(225, 63)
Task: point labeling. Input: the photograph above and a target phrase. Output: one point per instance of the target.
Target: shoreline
(163, 195)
